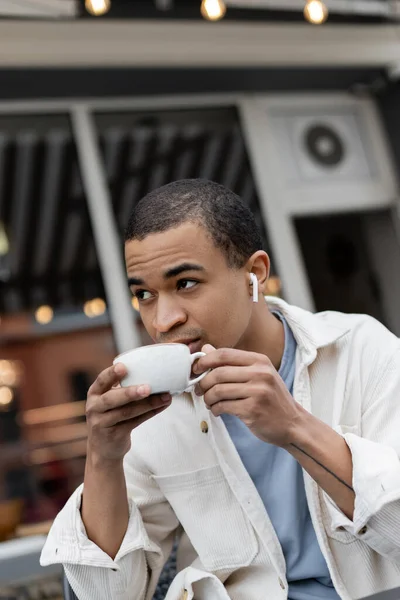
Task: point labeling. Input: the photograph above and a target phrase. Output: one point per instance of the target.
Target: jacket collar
(311, 331)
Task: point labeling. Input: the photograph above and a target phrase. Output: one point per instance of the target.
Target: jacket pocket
(212, 517)
(341, 535)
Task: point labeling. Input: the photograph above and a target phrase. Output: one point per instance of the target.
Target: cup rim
(149, 346)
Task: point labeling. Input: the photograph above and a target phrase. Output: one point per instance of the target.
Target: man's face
(186, 290)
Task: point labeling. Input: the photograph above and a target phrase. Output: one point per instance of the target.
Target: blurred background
(293, 104)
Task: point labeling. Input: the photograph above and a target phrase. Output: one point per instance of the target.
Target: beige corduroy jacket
(183, 471)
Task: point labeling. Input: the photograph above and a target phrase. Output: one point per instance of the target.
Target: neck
(264, 335)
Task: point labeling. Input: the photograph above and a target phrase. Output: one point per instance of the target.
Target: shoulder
(368, 351)
(328, 327)
(362, 331)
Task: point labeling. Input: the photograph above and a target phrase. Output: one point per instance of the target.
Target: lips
(193, 345)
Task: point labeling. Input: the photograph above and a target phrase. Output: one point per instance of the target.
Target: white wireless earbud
(254, 283)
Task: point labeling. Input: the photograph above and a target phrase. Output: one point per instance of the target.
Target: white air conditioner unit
(324, 153)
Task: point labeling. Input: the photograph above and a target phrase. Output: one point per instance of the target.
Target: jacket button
(204, 426)
(281, 583)
(363, 530)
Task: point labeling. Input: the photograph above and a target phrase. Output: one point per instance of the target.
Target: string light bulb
(315, 12)
(94, 308)
(10, 373)
(274, 286)
(98, 307)
(97, 8)
(44, 315)
(6, 397)
(213, 10)
(135, 303)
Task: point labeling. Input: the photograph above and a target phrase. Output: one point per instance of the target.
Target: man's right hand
(112, 412)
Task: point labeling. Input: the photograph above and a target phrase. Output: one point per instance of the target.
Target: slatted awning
(52, 258)
(51, 246)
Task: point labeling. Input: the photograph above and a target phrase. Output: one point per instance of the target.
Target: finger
(207, 348)
(135, 410)
(133, 423)
(227, 407)
(107, 379)
(223, 375)
(225, 391)
(224, 357)
(117, 397)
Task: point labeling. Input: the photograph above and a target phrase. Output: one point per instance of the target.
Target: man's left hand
(246, 385)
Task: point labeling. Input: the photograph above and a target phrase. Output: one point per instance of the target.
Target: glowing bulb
(10, 378)
(5, 366)
(44, 314)
(98, 306)
(6, 396)
(274, 286)
(213, 10)
(97, 7)
(87, 309)
(315, 12)
(94, 308)
(9, 373)
(135, 303)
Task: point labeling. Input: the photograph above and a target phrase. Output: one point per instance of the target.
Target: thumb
(207, 348)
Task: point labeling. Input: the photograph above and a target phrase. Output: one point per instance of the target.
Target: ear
(259, 264)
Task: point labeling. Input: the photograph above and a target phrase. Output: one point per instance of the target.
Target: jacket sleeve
(133, 574)
(376, 465)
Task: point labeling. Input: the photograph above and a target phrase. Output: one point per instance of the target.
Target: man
(281, 468)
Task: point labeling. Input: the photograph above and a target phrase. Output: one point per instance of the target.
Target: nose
(169, 314)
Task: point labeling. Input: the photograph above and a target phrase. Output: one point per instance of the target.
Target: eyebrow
(135, 281)
(170, 273)
(174, 271)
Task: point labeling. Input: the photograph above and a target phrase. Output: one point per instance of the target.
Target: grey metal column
(104, 228)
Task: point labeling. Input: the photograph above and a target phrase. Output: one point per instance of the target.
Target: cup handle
(194, 357)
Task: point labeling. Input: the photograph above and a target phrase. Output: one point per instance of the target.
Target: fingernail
(143, 390)
(208, 348)
(197, 390)
(166, 398)
(119, 369)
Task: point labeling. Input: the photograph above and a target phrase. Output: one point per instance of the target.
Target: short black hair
(224, 215)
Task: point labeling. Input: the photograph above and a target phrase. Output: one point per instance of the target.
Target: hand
(112, 412)
(247, 385)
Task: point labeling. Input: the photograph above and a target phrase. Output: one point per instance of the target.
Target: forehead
(187, 243)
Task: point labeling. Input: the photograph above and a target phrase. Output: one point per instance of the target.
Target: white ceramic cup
(164, 367)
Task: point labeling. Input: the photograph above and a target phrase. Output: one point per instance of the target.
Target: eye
(142, 295)
(186, 284)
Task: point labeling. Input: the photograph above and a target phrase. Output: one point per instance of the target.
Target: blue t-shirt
(278, 478)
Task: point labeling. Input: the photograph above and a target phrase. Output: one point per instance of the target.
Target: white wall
(107, 43)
